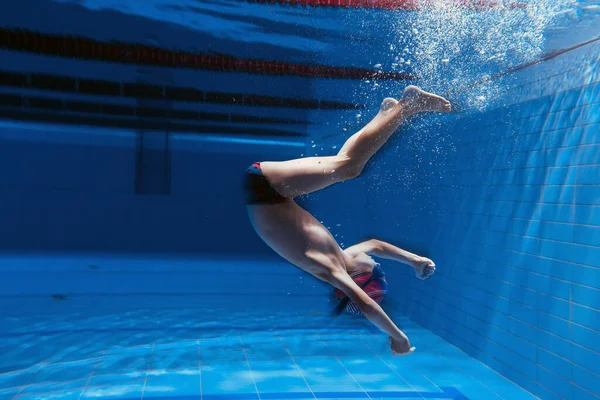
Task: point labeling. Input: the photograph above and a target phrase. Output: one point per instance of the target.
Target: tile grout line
(476, 380)
(147, 371)
(73, 362)
(528, 152)
(39, 366)
(393, 370)
(200, 368)
(481, 363)
(508, 366)
(536, 255)
(296, 365)
(537, 327)
(496, 359)
(249, 367)
(520, 303)
(343, 366)
(511, 218)
(88, 381)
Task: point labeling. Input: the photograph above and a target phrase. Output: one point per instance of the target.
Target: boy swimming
(298, 237)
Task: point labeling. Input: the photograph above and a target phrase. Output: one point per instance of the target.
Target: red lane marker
(139, 54)
(406, 5)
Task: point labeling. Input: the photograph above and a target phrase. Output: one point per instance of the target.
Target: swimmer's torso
(298, 237)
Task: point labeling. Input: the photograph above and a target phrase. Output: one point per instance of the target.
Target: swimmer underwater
(297, 236)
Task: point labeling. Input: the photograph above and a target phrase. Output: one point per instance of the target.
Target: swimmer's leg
(305, 175)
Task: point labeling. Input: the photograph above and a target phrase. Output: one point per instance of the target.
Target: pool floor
(285, 364)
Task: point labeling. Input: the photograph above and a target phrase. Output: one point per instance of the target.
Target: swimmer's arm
(386, 250)
(371, 310)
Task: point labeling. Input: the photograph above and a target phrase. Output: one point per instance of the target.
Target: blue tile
(227, 378)
(557, 326)
(307, 346)
(398, 396)
(554, 382)
(589, 380)
(16, 379)
(582, 394)
(590, 135)
(283, 396)
(71, 394)
(325, 374)
(411, 375)
(264, 347)
(586, 337)
(183, 383)
(375, 375)
(585, 357)
(589, 94)
(76, 385)
(9, 393)
(56, 373)
(124, 363)
(586, 316)
(114, 387)
(585, 295)
(226, 349)
(559, 365)
(278, 376)
(523, 313)
(340, 396)
(589, 235)
(176, 357)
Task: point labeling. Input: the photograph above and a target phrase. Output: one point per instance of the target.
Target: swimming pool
(178, 346)
(129, 269)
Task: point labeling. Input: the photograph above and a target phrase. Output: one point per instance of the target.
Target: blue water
(128, 277)
(130, 347)
(108, 347)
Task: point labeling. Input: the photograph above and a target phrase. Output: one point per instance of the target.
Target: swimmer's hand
(401, 346)
(424, 267)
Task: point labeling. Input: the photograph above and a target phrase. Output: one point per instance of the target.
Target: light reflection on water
(113, 355)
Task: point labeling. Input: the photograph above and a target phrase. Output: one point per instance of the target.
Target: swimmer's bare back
(296, 235)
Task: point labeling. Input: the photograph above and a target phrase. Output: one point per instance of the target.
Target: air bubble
(441, 59)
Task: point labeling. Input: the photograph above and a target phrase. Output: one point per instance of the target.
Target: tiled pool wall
(506, 202)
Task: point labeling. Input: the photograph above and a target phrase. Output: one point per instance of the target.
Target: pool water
(503, 195)
(114, 347)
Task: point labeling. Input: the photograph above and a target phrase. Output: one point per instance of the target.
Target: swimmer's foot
(424, 268)
(421, 101)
